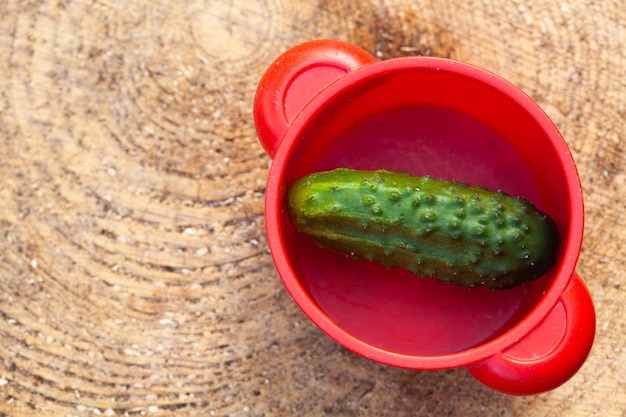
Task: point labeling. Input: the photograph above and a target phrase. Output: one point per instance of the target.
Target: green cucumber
(467, 235)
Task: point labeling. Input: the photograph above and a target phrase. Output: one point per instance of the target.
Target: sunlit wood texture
(135, 277)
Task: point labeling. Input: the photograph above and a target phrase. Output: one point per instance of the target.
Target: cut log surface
(135, 276)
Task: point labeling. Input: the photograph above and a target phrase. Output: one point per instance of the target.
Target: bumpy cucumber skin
(466, 235)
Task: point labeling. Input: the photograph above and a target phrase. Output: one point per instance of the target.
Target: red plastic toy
(327, 104)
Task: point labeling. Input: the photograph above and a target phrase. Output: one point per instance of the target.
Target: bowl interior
(423, 121)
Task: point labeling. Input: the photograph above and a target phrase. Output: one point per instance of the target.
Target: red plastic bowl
(328, 104)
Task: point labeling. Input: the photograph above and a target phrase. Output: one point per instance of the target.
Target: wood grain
(134, 272)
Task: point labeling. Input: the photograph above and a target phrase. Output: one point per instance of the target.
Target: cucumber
(467, 235)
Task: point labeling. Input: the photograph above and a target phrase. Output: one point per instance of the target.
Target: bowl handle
(551, 353)
(295, 78)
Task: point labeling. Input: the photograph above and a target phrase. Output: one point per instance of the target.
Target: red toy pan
(327, 104)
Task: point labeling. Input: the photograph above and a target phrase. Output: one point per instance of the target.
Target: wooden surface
(134, 272)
